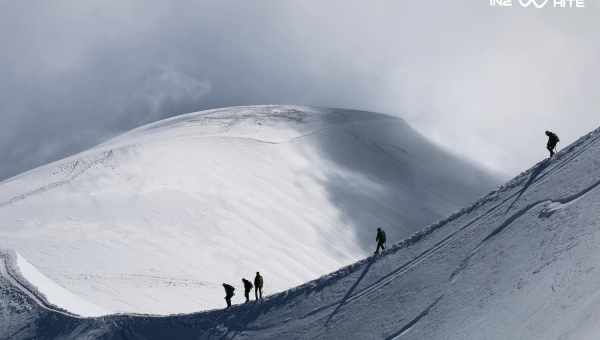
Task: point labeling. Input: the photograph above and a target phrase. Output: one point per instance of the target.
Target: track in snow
(406, 328)
(513, 218)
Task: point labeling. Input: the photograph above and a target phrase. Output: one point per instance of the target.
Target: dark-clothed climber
(552, 141)
(258, 285)
(380, 238)
(247, 289)
(228, 293)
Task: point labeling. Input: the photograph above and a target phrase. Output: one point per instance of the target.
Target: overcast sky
(484, 81)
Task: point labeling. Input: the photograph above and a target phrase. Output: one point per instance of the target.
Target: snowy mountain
(520, 263)
(155, 220)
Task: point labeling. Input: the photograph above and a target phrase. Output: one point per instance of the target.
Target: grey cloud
(483, 81)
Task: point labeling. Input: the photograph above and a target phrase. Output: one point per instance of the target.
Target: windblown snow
(155, 220)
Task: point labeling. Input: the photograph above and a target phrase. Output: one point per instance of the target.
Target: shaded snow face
(155, 220)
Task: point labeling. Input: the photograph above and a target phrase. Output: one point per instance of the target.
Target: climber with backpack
(552, 141)
(229, 293)
(247, 288)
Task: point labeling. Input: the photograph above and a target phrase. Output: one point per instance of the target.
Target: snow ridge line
(263, 141)
(568, 153)
(9, 269)
(289, 113)
(192, 117)
(407, 266)
(388, 278)
(385, 280)
(564, 155)
(404, 268)
(292, 139)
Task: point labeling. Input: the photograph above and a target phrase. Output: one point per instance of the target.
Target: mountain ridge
(518, 263)
(204, 197)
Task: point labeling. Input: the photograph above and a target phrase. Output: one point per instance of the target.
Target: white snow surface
(520, 263)
(155, 220)
(53, 293)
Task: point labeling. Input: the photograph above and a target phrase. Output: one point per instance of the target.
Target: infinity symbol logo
(527, 3)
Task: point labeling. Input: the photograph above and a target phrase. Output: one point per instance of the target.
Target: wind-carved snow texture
(522, 212)
(528, 256)
(154, 221)
(79, 167)
(406, 328)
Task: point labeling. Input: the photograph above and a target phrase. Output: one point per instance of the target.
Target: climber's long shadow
(534, 174)
(351, 290)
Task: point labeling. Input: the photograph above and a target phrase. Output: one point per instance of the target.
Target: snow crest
(154, 221)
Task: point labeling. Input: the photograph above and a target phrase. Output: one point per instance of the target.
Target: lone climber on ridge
(552, 141)
(380, 238)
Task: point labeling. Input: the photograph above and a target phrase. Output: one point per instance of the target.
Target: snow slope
(521, 263)
(155, 220)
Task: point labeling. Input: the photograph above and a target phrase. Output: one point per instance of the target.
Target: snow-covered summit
(520, 263)
(155, 220)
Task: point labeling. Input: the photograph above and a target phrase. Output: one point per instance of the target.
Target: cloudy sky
(485, 82)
